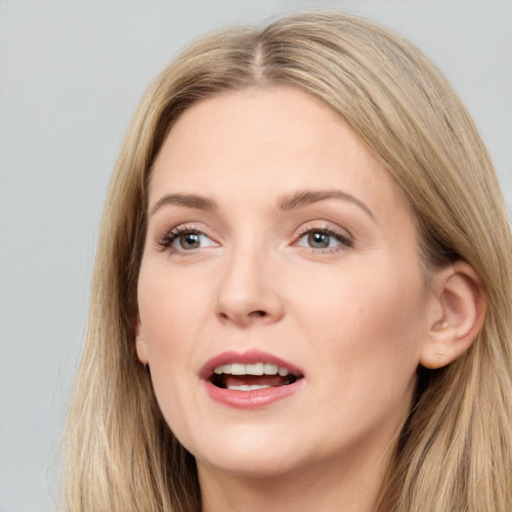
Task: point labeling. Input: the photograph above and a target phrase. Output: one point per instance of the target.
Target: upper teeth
(251, 369)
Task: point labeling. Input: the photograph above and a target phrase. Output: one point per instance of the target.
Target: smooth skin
(272, 227)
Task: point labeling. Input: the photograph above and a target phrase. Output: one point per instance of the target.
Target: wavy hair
(454, 452)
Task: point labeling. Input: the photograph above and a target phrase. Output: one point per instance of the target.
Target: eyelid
(324, 225)
(343, 235)
(165, 241)
(168, 238)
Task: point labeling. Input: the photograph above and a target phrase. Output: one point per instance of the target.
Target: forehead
(264, 141)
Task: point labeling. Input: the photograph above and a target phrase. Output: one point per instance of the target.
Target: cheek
(167, 306)
(370, 358)
(371, 325)
(166, 309)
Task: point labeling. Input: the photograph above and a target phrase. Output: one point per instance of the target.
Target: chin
(249, 454)
(250, 466)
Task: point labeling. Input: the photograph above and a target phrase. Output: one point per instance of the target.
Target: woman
(301, 296)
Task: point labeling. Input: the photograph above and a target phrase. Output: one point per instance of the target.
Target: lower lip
(256, 399)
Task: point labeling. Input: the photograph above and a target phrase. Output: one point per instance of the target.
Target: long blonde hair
(454, 453)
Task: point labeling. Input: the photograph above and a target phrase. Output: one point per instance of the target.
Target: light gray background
(72, 73)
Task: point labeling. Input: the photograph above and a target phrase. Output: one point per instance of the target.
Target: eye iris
(318, 240)
(190, 241)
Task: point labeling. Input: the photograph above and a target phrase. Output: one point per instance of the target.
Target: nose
(248, 292)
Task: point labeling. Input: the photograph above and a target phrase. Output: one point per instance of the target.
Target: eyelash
(172, 235)
(346, 241)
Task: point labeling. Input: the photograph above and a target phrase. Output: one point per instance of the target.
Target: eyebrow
(297, 200)
(186, 200)
(306, 197)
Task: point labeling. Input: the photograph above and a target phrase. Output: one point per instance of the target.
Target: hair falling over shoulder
(455, 451)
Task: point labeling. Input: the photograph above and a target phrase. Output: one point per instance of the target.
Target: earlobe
(140, 344)
(458, 318)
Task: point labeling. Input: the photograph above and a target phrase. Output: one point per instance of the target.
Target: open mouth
(250, 377)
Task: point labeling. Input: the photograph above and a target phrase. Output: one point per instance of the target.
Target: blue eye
(318, 240)
(323, 239)
(183, 239)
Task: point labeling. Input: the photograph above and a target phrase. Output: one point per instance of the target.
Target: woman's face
(281, 299)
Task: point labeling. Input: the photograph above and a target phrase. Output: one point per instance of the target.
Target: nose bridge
(246, 291)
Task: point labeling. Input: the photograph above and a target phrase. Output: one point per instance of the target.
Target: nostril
(253, 316)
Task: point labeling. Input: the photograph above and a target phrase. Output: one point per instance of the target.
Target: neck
(324, 487)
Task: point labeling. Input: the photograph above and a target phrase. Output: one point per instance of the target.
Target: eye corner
(324, 238)
(175, 241)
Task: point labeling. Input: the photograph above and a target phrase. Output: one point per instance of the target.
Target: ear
(457, 316)
(140, 344)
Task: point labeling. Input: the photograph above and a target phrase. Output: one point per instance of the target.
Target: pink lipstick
(250, 380)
